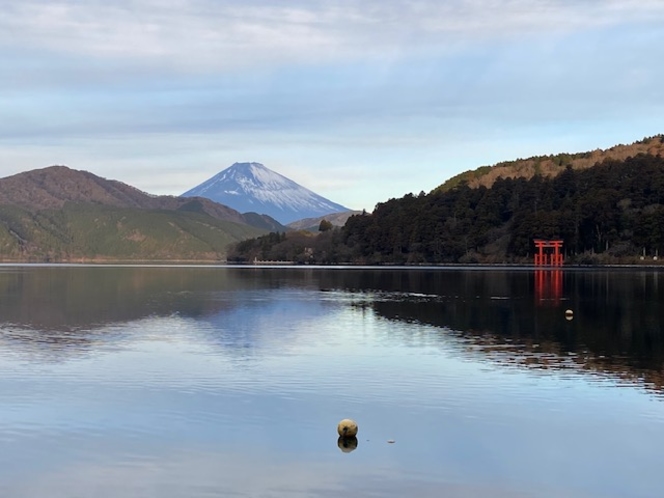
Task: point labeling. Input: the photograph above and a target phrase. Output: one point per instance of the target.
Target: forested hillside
(93, 232)
(611, 212)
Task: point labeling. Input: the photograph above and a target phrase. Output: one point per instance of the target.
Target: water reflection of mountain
(57, 298)
(64, 311)
(59, 312)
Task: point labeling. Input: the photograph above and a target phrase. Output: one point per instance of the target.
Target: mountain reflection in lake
(169, 382)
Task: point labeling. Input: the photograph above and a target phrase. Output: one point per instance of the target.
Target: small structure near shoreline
(275, 263)
(543, 258)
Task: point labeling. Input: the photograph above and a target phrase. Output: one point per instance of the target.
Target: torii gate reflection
(548, 287)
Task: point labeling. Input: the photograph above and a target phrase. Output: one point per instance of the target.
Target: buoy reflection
(347, 444)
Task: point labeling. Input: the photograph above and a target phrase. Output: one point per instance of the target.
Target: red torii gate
(542, 258)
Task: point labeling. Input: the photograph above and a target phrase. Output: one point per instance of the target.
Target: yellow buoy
(347, 428)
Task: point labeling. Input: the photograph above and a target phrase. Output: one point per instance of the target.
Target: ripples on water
(209, 382)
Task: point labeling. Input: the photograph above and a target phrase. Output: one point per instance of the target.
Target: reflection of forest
(617, 325)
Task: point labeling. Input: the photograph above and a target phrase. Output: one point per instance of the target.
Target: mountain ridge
(53, 186)
(551, 165)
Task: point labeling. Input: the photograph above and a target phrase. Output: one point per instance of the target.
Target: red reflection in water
(548, 287)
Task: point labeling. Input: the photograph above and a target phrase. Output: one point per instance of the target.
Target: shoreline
(341, 266)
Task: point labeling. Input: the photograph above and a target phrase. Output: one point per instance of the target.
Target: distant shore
(291, 265)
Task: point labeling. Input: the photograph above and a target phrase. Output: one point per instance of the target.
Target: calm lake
(126, 382)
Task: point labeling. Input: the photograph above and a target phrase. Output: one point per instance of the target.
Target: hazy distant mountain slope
(313, 224)
(52, 187)
(552, 165)
(94, 232)
(253, 187)
(265, 221)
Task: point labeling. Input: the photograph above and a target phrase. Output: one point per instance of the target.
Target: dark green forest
(612, 212)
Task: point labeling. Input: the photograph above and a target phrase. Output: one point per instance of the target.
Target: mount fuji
(251, 187)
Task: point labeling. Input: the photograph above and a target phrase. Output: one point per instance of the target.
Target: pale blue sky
(358, 100)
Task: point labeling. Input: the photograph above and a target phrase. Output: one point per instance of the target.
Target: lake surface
(125, 382)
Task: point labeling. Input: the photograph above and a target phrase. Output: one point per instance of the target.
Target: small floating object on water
(347, 428)
(391, 441)
(347, 444)
(569, 314)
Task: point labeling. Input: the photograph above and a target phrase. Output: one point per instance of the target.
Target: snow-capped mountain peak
(253, 187)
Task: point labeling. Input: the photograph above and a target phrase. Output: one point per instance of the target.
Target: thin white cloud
(213, 35)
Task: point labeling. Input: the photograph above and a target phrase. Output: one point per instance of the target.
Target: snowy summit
(251, 187)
